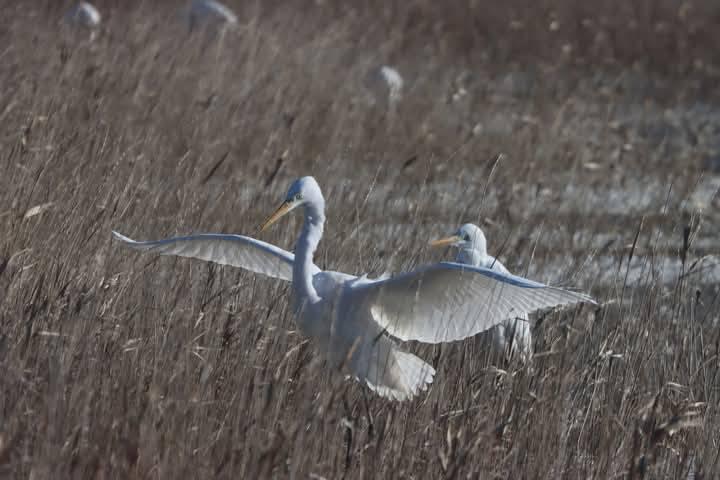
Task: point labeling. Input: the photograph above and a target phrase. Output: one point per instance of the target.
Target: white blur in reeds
(210, 14)
(85, 15)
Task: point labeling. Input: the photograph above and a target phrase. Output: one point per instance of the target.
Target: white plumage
(512, 334)
(354, 320)
(394, 82)
(205, 12)
(84, 14)
(234, 250)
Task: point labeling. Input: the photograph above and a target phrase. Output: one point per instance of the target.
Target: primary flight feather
(512, 334)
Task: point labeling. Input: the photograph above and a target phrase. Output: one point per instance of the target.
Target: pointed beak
(445, 241)
(281, 211)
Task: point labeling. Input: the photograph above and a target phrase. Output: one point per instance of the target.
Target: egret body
(205, 12)
(84, 14)
(394, 82)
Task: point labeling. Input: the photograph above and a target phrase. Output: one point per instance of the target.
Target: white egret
(385, 85)
(210, 12)
(394, 82)
(512, 332)
(354, 319)
(84, 14)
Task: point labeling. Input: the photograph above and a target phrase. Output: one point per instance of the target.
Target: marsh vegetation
(584, 139)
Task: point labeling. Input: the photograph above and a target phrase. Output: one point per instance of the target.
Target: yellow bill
(282, 210)
(445, 241)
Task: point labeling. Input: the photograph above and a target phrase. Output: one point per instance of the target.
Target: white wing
(497, 266)
(514, 331)
(449, 301)
(225, 249)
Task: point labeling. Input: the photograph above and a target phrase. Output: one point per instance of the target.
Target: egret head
(303, 191)
(468, 236)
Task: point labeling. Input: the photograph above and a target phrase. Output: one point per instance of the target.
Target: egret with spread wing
(512, 334)
(355, 320)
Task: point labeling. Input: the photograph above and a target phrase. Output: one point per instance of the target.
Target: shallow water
(590, 251)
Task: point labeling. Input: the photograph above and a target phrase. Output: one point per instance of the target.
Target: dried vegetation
(582, 136)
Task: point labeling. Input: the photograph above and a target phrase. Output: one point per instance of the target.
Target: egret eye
(466, 237)
(298, 197)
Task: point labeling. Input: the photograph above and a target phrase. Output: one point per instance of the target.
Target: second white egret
(512, 334)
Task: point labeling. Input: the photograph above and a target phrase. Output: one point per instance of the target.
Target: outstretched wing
(225, 249)
(449, 301)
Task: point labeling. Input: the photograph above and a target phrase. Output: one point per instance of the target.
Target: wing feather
(224, 249)
(448, 301)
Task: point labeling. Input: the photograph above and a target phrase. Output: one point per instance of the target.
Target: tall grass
(122, 365)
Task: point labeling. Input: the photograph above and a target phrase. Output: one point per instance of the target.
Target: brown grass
(121, 365)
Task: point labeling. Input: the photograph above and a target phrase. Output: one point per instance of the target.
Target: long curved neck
(471, 256)
(303, 267)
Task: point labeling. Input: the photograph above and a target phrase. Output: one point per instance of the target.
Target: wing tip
(585, 298)
(573, 297)
(122, 238)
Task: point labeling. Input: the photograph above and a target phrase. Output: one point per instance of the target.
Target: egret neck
(470, 256)
(473, 247)
(310, 236)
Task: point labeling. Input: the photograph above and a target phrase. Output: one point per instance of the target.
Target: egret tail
(390, 372)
